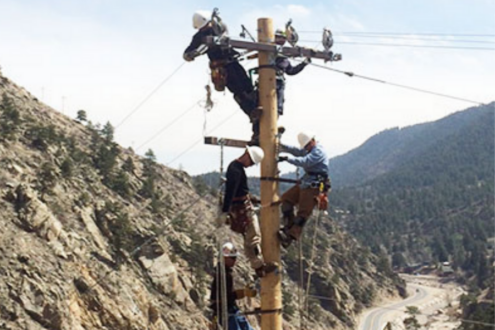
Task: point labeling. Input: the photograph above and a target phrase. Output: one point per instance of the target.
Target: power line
(168, 125)
(351, 74)
(405, 45)
(480, 35)
(414, 38)
(150, 95)
(200, 140)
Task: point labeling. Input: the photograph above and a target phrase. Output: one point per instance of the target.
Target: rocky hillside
(95, 237)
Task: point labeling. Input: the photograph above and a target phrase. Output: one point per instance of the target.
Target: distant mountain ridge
(396, 146)
(424, 193)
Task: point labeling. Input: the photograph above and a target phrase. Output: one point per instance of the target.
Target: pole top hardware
(270, 48)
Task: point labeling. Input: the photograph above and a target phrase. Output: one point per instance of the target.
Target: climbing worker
(283, 66)
(236, 321)
(313, 159)
(238, 209)
(225, 67)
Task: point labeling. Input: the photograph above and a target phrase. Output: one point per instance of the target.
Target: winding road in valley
(377, 318)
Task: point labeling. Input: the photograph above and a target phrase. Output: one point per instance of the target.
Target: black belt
(320, 174)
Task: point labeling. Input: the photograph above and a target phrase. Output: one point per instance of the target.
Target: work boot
(284, 238)
(267, 268)
(255, 114)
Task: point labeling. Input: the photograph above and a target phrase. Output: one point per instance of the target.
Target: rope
(164, 81)
(351, 74)
(301, 285)
(310, 270)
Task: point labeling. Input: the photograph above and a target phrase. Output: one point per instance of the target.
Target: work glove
(246, 292)
(223, 219)
(250, 292)
(189, 56)
(282, 158)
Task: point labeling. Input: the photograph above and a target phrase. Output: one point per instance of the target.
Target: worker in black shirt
(225, 68)
(283, 66)
(238, 209)
(236, 321)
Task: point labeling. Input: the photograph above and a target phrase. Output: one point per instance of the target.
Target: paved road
(373, 320)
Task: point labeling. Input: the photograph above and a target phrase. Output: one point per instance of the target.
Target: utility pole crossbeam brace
(271, 289)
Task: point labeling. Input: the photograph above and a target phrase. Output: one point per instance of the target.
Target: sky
(107, 56)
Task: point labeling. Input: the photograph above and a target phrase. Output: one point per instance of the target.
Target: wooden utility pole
(271, 293)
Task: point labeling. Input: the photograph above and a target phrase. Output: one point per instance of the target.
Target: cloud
(298, 11)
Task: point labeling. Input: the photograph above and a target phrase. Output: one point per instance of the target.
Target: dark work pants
(240, 85)
(280, 96)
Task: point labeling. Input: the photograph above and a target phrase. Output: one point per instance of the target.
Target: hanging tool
(209, 102)
(291, 34)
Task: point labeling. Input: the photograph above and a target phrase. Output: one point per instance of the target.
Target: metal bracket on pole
(275, 179)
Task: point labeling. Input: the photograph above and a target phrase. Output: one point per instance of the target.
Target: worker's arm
(309, 160)
(292, 150)
(192, 50)
(285, 65)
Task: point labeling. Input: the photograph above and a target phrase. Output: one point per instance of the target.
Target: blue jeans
(237, 321)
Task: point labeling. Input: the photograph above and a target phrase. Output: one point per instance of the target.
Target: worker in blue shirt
(313, 159)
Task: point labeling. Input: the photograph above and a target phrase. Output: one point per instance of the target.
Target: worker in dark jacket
(238, 209)
(236, 321)
(283, 66)
(225, 68)
(313, 159)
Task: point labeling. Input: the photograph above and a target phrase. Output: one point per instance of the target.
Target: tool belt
(219, 74)
(322, 181)
(241, 214)
(324, 185)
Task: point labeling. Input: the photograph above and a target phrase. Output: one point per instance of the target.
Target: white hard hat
(201, 18)
(229, 250)
(256, 154)
(304, 138)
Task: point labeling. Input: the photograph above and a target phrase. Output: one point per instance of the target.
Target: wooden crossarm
(226, 142)
(259, 46)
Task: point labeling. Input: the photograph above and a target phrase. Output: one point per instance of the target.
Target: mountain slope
(96, 237)
(436, 203)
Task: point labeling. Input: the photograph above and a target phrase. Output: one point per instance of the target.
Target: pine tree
(10, 118)
(81, 116)
(108, 132)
